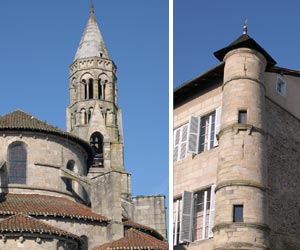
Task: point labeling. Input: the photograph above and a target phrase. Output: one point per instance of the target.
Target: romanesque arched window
(83, 116)
(91, 92)
(89, 114)
(99, 89)
(70, 166)
(85, 89)
(17, 163)
(96, 142)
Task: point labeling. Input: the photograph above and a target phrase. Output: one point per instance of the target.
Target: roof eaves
(199, 77)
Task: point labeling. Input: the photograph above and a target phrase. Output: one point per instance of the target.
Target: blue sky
(203, 27)
(38, 43)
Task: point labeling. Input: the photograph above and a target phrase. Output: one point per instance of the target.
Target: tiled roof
(134, 240)
(140, 227)
(20, 120)
(24, 223)
(44, 205)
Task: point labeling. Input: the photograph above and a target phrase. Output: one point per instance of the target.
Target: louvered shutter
(217, 125)
(176, 144)
(212, 211)
(193, 135)
(183, 142)
(175, 227)
(186, 221)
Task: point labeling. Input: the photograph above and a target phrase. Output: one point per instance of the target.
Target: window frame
(179, 218)
(282, 83)
(14, 165)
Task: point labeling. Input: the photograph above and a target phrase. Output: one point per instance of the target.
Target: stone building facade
(236, 154)
(70, 190)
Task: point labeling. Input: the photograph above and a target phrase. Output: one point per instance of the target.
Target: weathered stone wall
(97, 233)
(41, 242)
(151, 211)
(283, 148)
(46, 154)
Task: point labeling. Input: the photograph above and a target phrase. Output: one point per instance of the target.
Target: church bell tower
(93, 113)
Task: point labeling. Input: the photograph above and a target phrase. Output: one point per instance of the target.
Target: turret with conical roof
(241, 215)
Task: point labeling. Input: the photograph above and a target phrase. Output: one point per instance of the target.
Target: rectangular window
(238, 213)
(281, 86)
(207, 132)
(180, 142)
(242, 116)
(198, 223)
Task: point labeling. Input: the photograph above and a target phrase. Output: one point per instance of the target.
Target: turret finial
(245, 28)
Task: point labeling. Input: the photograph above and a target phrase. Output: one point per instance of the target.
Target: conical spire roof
(92, 42)
(245, 41)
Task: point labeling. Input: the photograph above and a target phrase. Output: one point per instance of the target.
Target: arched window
(70, 166)
(89, 114)
(83, 118)
(91, 92)
(85, 89)
(17, 163)
(100, 89)
(96, 142)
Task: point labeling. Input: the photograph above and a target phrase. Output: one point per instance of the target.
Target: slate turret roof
(245, 41)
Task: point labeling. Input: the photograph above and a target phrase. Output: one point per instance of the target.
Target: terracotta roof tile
(24, 223)
(134, 240)
(37, 205)
(140, 227)
(20, 120)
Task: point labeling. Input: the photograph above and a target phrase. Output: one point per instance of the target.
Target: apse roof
(21, 223)
(45, 205)
(134, 240)
(140, 227)
(20, 120)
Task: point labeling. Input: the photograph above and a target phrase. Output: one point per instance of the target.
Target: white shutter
(212, 211)
(186, 221)
(193, 135)
(176, 144)
(217, 125)
(175, 228)
(183, 142)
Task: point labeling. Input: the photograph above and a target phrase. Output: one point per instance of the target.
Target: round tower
(241, 220)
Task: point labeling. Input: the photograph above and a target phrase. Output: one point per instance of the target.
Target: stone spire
(92, 42)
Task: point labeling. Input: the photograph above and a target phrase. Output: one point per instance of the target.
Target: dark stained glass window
(17, 157)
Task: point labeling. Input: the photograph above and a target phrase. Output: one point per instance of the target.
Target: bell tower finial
(245, 27)
(92, 9)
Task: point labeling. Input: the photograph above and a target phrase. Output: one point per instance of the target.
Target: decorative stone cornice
(235, 225)
(244, 78)
(246, 183)
(237, 127)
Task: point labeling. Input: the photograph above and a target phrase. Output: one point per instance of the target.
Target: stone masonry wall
(284, 176)
(151, 211)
